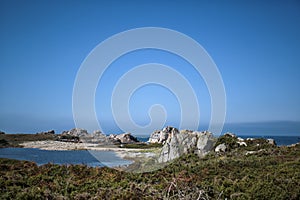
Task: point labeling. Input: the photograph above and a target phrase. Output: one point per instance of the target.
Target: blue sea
(104, 158)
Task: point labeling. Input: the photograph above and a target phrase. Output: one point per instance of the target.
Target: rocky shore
(173, 143)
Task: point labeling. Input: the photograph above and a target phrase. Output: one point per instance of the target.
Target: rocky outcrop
(179, 143)
(125, 138)
(97, 137)
(74, 135)
(77, 132)
(229, 142)
(160, 136)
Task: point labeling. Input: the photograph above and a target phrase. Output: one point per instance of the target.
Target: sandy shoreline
(127, 153)
(65, 146)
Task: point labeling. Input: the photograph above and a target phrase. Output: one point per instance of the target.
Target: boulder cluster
(229, 141)
(125, 138)
(160, 136)
(82, 135)
(176, 143)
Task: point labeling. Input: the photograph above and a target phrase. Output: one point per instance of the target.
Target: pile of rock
(230, 141)
(125, 138)
(77, 132)
(71, 136)
(97, 137)
(161, 136)
(178, 143)
(75, 135)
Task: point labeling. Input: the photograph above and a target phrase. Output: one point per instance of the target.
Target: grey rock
(242, 143)
(221, 148)
(184, 142)
(230, 134)
(98, 133)
(160, 136)
(125, 138)
(271, 141)
(205, 143)
(77, 132)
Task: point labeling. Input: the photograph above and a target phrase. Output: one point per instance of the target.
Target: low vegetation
(270, 173)
(14, 140)
(141, 146)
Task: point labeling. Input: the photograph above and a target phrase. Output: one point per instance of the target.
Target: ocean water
(104, 158)
(273, 128)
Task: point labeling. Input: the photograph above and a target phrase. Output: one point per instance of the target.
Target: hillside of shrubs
(269, 172)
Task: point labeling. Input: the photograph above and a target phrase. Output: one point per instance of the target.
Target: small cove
(104, 158)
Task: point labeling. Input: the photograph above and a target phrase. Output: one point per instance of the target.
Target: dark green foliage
(3, 143)
(68, 138)
(273, 173)
(231, 142)
(14, 140)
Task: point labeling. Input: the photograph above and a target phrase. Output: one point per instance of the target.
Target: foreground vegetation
(269, 173)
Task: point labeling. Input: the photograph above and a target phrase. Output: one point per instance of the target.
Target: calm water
(104, 158)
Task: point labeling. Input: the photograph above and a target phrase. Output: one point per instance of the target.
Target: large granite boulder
(179, 143)
(160, 136)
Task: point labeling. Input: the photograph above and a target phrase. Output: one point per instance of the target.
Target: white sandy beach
(65, 146)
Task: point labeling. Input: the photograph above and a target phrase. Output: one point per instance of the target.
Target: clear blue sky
(255, 44)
